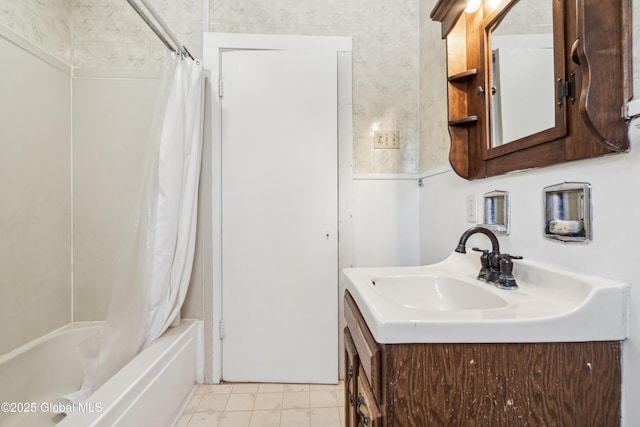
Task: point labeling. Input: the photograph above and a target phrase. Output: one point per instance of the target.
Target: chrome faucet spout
(495, 246)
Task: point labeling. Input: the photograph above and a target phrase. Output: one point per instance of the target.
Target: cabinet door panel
(368, 413)
(367, 348)
(352, 366)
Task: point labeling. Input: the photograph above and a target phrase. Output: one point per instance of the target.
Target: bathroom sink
(444, 302)
(430, 292)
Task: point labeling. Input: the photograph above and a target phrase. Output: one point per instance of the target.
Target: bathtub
(150, 390)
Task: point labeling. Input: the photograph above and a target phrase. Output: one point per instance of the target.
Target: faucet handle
(480, 250)
(485, 271)
(484, 258)
(506, 265)
(506, 279)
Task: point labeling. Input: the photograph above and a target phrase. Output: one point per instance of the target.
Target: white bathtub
(150, 390)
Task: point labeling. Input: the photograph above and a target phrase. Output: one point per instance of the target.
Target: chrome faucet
(497, 268)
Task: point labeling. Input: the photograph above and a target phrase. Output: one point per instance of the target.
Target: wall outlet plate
(386, 139)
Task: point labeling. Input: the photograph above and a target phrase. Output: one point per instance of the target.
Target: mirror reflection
(522, 72)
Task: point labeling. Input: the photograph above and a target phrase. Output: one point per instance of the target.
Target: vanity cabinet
(477, 384)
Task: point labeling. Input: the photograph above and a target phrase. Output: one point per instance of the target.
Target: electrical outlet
(472, 209)
(386, 139)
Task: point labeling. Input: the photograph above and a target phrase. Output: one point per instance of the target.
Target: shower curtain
(155, 264)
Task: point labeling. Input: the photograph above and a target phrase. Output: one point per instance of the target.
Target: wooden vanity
(477, 384)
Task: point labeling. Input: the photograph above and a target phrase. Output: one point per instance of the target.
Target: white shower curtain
(155, 264)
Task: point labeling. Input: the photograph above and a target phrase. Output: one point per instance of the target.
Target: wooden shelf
(464, 121)
(463, 76)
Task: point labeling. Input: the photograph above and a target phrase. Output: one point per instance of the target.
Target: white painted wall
(612, 253)
(385, 220)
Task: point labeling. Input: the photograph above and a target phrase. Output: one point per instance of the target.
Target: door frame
(214, 45)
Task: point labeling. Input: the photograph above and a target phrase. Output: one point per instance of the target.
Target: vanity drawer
(366, 346)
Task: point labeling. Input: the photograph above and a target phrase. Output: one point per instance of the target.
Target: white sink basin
(444, 302)
(431, 292)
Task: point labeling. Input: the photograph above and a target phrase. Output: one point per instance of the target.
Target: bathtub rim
(64, 329)
(115, 395)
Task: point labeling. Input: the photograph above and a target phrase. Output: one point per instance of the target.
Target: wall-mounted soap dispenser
(567, 208)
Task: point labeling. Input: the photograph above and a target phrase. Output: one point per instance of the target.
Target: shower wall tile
(45, 23)
(110, 127)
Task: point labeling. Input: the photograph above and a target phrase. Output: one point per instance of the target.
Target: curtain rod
(179, 47)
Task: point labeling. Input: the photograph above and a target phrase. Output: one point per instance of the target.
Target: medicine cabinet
(533, 83)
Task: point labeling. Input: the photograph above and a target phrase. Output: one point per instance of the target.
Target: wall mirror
(532, 83)
(522, 72)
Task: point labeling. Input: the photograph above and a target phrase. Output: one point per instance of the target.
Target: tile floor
(265, 405)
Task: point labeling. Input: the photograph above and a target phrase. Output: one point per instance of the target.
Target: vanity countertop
(444, 302)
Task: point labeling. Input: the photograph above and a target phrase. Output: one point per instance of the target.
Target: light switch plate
(386, 139)
(472, 208)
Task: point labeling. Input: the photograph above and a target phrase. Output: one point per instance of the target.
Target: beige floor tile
(270, 388)
(296, 387)
(295, 400)
(213, 403)
(268, 401)
(193, 403)
(235, 419)
(295, 418)
(265, 405)
(183, 421)
(245, 388)
(205, 419)
(214, 388)
(265, 419)
(325, 417)
(323, 399)
(315, 387)
(240, 402)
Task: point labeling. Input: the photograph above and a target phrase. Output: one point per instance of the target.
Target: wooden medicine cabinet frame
(592, 66)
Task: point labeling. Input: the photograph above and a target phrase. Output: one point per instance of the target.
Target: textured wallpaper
(45, 23)
(109, 33)
(434, 133)
(385, 62)
(385, 34)
(398, 56)
(386, 88)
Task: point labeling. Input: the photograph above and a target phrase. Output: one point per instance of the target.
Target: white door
(279, 216)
